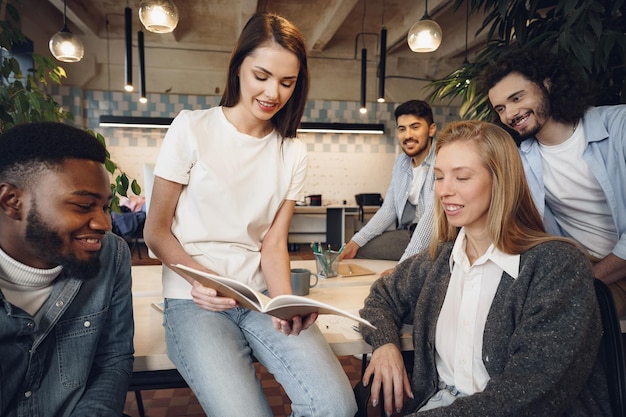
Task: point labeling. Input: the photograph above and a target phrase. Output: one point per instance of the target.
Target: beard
(542, 113)
(47, 243)
(421, 149)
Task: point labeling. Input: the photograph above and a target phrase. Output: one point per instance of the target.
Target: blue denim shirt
(605, 153)
(78, 360)
(395, 207)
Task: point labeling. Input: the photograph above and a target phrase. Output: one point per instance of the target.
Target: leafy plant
(23, 97)
(591, 31)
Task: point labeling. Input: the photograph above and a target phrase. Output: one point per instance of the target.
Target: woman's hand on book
(294, 326)
(208, 299)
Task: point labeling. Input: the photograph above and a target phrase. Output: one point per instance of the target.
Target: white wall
(340, 165)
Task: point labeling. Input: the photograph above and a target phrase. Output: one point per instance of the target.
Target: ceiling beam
(335, 13)
(247, 8)
(88, 21)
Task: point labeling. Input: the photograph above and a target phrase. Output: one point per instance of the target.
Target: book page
(287, 306)
(283, 306)
(246, 296)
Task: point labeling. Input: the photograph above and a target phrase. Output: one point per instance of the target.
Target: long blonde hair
(513, 222)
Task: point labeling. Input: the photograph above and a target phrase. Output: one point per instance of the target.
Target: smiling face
(521, 104)
(414, 136)
(267, 80)
(67, 213)
(463, 186)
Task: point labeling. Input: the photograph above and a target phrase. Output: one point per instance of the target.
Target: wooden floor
(182, 402)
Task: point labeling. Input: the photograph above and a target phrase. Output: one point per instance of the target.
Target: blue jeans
(213, 352)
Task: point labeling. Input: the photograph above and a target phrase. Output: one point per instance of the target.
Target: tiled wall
(340, 165)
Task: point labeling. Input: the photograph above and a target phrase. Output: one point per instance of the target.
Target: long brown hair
(513, 222)
(263, 28)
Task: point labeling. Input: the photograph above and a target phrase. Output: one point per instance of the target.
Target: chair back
(368, 199)
(611, 349)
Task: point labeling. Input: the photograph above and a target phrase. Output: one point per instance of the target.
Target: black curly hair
(569, 95)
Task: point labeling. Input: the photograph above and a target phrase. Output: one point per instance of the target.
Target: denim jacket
(78, 360)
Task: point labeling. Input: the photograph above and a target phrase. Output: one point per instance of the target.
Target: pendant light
(363, 108)
(142, 68)
(382, 59)
(128, 58)
(382, 65)
(64, 45)
(425, 34)
(158, 16)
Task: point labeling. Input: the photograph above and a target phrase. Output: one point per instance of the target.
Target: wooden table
(347, 293)
(153, 369)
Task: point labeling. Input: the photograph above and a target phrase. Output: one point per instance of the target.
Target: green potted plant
(592, 31)
(23, 97)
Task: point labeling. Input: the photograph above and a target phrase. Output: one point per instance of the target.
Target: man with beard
(66, 323)
(409, 200)
(574, 154)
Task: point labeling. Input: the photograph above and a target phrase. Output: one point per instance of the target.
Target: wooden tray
(353, 270)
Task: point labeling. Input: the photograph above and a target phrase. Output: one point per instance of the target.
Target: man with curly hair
(574, 154)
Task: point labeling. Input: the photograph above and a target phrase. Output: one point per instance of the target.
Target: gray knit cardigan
(540, 341)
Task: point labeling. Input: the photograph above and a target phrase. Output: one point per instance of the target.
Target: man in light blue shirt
(574, 155)
(408, 204)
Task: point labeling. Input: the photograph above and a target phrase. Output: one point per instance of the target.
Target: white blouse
(461, 322)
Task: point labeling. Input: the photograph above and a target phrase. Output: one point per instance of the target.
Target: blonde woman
(505, 316)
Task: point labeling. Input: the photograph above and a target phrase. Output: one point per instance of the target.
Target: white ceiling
(192, 59)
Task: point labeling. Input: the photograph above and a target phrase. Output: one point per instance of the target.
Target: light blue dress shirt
(605, 152)
(396, 208)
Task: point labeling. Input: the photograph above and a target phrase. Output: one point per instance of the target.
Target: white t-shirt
(419, 175)
(575, 197)
(234, 186)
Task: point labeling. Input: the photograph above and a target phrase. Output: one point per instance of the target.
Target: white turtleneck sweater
(24, 286)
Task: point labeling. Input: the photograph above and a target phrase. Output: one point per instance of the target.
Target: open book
(283, 306)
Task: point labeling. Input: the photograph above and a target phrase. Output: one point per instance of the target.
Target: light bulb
(424, 36)
(66, 47)
(158, 16)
